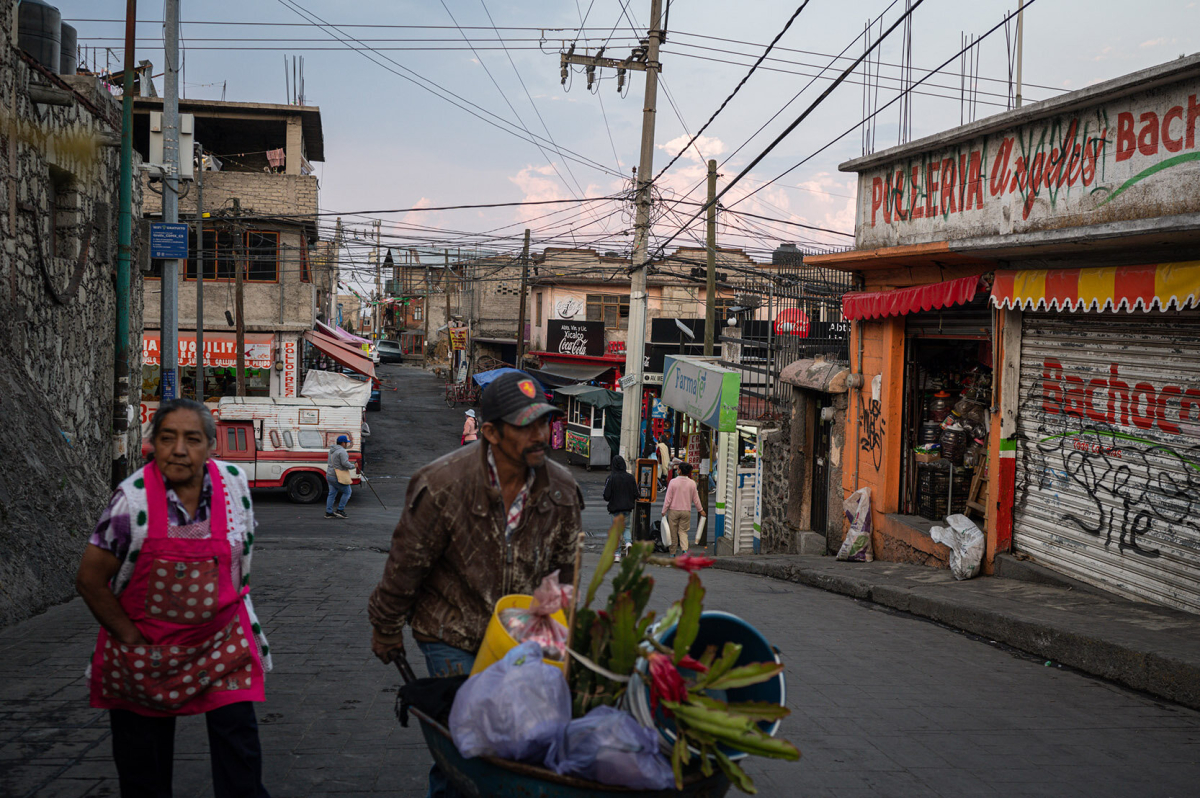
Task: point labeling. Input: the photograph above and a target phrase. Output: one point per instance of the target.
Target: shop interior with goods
(948, 395)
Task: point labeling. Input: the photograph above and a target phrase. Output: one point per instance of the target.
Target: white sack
(966, 543)
(331, 385)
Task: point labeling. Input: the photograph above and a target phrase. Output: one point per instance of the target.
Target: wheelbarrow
(500, 778)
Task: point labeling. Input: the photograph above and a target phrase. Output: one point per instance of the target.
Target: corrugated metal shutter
(973, 320)
(1108, 454)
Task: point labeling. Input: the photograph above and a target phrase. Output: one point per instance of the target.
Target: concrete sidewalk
(1139, 645)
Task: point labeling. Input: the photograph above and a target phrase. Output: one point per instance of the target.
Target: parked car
(389, 352)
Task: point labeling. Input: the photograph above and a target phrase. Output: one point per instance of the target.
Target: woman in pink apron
(166, 574)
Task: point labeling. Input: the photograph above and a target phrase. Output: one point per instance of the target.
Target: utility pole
(377, 311)
(334, 258)
(239, 263)
(446, 288)
(524, 291)
(425, 313)
(710, 288)
(635, 346)
(120, 407)
(199, 171)
(169, 304)
(1020, 44)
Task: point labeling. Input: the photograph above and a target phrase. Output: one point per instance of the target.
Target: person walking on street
(470, 432)
(339, 460)
(677, 507)
(621, 491)
(166, 573)
(663, 452)
(478, 524)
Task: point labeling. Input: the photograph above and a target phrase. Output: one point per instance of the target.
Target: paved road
(883, 704)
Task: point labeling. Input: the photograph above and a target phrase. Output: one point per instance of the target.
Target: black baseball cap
(514, 398)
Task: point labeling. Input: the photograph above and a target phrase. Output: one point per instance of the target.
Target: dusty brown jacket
(450, 563)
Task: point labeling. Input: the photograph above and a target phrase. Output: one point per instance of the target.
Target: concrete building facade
(260, 205)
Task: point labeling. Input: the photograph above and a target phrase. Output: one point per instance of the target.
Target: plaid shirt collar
(518, 506)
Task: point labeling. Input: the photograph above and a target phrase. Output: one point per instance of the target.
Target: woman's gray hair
(171, 405)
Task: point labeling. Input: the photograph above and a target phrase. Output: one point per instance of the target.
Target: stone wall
(58, 225)
(778, 534)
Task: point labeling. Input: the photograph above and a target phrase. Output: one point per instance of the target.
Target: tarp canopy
(331, 385)
(591, 395)
(864, 305)
(562, 374)
(1156, 286)
(344, 353)
(340, 334)
(484, 377)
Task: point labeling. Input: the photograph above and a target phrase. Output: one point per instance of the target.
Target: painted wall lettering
(1099, 161)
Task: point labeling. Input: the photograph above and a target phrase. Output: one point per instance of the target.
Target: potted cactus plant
(619, 648)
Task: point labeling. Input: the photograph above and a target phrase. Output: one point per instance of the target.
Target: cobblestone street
(884, 704)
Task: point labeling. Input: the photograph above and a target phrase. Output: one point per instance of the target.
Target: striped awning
(1160, 286)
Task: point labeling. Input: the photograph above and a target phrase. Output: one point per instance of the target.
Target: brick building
(261, 197)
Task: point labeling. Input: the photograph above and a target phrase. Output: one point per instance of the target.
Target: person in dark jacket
(620, 491)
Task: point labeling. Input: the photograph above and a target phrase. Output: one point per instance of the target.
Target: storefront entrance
(947, 396)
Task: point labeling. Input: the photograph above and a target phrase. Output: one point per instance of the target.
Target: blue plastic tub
(719, 628)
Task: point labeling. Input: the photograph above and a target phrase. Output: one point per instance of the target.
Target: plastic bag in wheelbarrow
(512, 710)
(609, 746)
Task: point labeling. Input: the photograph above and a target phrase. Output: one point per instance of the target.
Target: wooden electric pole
(524, 291)
(710, 288)
(239, 320)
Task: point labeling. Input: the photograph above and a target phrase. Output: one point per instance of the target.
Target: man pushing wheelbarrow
(488, 520)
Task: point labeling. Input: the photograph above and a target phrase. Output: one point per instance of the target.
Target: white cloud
(704, 147)
(1159, 42)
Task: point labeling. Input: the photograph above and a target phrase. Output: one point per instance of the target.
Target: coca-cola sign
(576, 337)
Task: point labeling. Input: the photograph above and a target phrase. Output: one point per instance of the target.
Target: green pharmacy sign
(704, 391)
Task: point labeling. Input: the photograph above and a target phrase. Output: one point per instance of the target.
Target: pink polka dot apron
(183, 598)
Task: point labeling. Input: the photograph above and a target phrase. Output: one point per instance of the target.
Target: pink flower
(693, 664)
(692, 564)
(665, 682)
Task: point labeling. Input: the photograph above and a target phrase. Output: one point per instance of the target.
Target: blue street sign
(169, 240)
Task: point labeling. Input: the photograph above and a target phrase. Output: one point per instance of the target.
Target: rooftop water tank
(39, 28)
(70, 53)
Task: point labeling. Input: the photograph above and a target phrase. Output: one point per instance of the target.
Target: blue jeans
(628, 524)
(335, 489)
(444, 660)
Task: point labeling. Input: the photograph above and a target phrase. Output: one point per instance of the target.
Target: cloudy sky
(392, 144)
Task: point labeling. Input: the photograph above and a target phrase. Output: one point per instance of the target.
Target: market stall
(593, 424)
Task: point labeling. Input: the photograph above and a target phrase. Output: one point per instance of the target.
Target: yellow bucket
(497, 641)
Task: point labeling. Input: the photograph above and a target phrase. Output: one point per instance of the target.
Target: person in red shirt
(677, 507)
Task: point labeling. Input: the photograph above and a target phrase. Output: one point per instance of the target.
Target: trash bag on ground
(611, 747)
(536, 624)
(857, 545)
(513, 710)
(966, 543)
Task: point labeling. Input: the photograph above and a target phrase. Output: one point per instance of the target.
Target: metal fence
(791, 313)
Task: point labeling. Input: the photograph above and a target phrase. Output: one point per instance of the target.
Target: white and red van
(284, 442)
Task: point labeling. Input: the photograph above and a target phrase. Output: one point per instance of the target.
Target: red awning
(879, 304)
(348, 356)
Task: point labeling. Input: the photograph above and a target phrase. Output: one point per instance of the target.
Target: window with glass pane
(612, 309)
(262, 252)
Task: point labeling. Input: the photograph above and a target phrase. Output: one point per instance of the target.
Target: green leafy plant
(614, 639)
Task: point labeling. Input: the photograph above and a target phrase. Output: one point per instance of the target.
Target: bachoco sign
(576, 337)
(706, 392)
